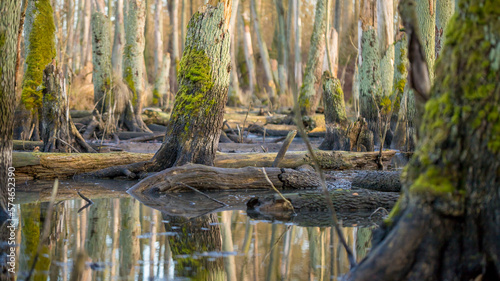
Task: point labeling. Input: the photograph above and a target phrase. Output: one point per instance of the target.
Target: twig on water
(196, 190)
(46, 228)
(89, 202)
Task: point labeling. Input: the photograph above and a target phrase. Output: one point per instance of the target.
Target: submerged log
(343, 200)
(33, 165)
(378, 180)
(201, 177)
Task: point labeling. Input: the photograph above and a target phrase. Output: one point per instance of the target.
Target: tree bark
(298, 44)
(194, 127)
(119, 40)
(445, 226)
(264, 54)
(234, 95)
(102, 76)
(387, 181)
(161, 92)
(39, 51)
(426, 18)
(133, 63)
(249, 55)
(158, 38)
(309, 92)
(9, 26)
(444, 12)
(336, 137)
(58, 131)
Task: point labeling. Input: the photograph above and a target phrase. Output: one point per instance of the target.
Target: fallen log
(343, 200)
(208, 178)
(378, 180)
(35, 165)
(26, 145)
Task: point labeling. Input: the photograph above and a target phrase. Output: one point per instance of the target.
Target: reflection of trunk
(133, 62)
(317, 261)
(97, 233)
(227, 246)
(309, 94)
(194, 127)
(445, 225)
(130, 230)
(195, 236)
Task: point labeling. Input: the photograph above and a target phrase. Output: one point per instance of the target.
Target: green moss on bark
(40, 51)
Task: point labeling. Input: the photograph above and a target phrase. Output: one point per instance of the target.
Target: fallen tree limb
(206, 178)
(35, 165)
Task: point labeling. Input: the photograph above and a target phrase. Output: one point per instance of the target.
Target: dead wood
(378, 180)
(203, 178)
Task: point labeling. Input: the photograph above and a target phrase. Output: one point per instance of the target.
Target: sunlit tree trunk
(103, 73)
(234, 95)
(298, 44)
(426, 18)
(385, 32)
(445, 225)
(271, 87)
(119, 39)
(161, 92)
(133, 63)
(194, 127)
(68, 60)
(158, 37)
(174, 22)
(309, 92)
(282, 48)
(9, 25)
(444, 12)
(249, 56)
(85, 58)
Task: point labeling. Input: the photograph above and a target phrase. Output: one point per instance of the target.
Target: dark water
(127, 240)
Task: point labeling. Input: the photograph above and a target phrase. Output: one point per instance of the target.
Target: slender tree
(249, 55)
(309, 92)
(444, 12)
(119, 39)
(445, 225)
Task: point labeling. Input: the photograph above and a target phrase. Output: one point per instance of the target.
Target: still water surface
(127, 240)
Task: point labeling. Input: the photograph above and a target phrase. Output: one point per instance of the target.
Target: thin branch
(196, 190)
(277, 191)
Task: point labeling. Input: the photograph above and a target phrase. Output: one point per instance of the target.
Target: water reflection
(126, 240)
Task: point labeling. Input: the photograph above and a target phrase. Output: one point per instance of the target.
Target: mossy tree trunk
(9, 25)
(335, 115)
(444, 12)
(309, 92)
(103, 74)
(264, 54)
(370, 88)
(194, 127)
(426, 18)
(133, 63)
(59, 134)
(445, 226)
(39, 51)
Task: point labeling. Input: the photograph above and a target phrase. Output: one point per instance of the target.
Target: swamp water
(177, 237)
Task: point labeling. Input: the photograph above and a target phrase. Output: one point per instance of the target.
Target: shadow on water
(176, 237)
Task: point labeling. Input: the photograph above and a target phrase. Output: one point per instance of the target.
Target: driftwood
(343, 200)
(32, 165)
(378, 180)
(201, 177)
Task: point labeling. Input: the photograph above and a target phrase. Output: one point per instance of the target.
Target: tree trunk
(119, 40)
(336, 137)
(264, 55)
(445, 226)
(174, 23)
(39, 51)
(133, 62)
(234, 95)
(444, 12)
(385, 32)
(387, 181)
(58, 131)
(309, 92)
(249, 56)
(282, 48)
(158, 38)
(102, 76)
(9, 25)
(85, 59)
(194, 128)
(161, 92)
(426, 19)
(298, 44)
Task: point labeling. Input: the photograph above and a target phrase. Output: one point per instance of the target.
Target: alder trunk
(194, 127)
(445, 226)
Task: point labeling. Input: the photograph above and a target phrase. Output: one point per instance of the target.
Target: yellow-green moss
(40, 53)
(432, 181)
